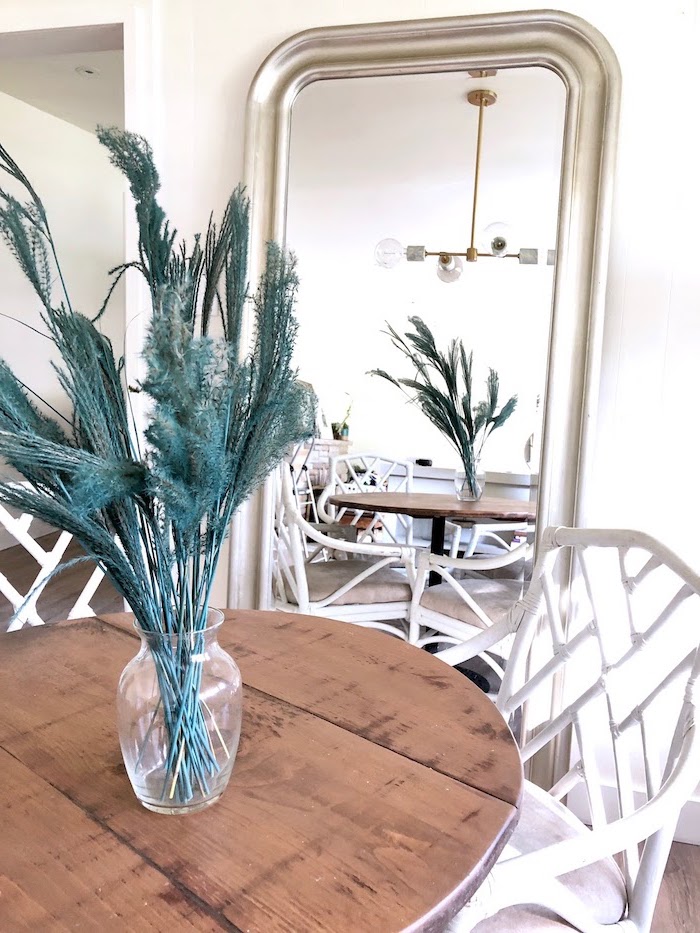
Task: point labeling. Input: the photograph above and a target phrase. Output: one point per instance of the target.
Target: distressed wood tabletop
(438, 505)
(374, 788)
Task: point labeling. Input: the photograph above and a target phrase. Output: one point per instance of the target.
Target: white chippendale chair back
(618, 650)
(372, 586)
(24, 604)
(369, 472)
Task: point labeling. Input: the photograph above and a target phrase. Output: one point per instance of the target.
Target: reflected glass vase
(469, 482)
(179, 705)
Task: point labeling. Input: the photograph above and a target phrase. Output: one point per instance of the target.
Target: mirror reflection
(395, 158)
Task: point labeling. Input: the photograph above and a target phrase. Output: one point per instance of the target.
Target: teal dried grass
(442, 389)
(155, 513)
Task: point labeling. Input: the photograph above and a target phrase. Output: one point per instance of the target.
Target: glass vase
(179, 705)
(469, 483)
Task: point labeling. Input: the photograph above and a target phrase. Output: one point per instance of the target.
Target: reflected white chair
(301, 480)
(487, 539)
(467, 608)
(590, 852)
(368, 472)
(370, 587)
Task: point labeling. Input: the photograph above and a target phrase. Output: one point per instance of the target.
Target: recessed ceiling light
(87, 71)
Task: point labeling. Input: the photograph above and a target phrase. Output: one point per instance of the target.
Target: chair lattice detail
(301, 482)
(24, 605)
(476, 614)
(368, 472)
(606, 663)
(364, 583)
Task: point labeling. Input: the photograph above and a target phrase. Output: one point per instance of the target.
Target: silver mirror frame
(587, 65)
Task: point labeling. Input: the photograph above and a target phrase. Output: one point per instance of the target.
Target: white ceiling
(56, 82)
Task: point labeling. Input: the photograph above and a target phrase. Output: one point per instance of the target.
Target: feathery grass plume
(155, 513)
(442, 389)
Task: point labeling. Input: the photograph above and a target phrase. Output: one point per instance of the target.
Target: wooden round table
(374, 788)
(439, 507)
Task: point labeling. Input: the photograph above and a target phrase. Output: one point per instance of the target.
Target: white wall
(83, 198)
(82, 195)
(203, 57)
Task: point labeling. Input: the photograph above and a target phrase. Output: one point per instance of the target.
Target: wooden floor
(61, 592)
(678, 907)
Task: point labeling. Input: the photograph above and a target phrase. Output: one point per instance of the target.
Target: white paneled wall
(648, 436)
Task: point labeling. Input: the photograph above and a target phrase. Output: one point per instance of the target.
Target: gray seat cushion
(387, 585)
(600, 887)
(524, 919)
(495, 597)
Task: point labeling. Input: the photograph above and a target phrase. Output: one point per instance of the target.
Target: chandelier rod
(471, 252)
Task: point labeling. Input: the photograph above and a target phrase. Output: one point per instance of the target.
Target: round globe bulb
(388, 253)
(449, 268)
(495, 239)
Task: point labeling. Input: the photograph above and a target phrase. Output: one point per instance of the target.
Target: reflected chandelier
(389, 252)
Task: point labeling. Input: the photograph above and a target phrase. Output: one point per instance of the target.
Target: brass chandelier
(389, 252)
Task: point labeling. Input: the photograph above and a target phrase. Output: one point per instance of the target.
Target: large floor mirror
(359, 134)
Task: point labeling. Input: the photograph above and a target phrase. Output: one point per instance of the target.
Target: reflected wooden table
(439, 507)
(374, 788)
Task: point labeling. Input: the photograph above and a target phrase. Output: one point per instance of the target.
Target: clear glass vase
(469, 482)
(179, 705)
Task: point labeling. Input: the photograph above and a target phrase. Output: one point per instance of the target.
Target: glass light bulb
(388, 253)
(449, 268)
(495, 239)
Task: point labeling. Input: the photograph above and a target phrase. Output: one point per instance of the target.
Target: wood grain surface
(373, 789)
(438, 505)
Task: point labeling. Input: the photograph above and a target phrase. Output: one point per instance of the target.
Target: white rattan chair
(368, 472)
(487, 539)
(620, 647)
(24, 605)
(468, 607)
(301, 481)
(370, 587)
